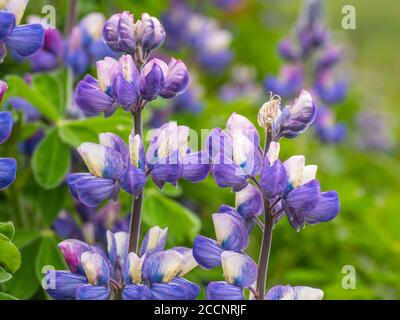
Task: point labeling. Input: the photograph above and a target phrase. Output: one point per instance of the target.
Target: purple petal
(6, 124)
(65, 284)
(273, 179)
(219, 146)
(90, 190)
(136, 292)
(91, 99)
(229, 175)
(305, 197)
(126, 91)
(96, 267)
(115, 142)
(133, 180)
(249, 202)
(175, 290)
(167, 170)
(221, 290)
(152, 79)
(72, 251)
(207, 252)
(89, 292)
(66, 227)
(152, 32)
(196, 166)
(7, 24)
(118, 32)
(25, 40)
(8, 172)
(176, 81)
(326, 210)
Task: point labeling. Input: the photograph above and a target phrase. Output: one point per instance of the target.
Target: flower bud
(269, 112)
(152, 79)
(177, 79)
(3, 89)
(152, 32)
(119, 32)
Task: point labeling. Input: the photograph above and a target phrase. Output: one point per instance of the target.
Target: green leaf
(24, 283)
(51, 161)
(50, 202)
(4, 276)
(5, 296)
(7, 229)
(182, 223)
(49, 256)
(18, 87)
(10, 258)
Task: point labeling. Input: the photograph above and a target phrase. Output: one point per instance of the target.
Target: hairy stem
(136, 211)
(267, 234)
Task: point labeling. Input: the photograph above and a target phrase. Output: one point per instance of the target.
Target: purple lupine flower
(95, 275)
(327, 129)
(231, 234)
(23, 40)
(293, 120)
(329, 90)
(169, 157)
(329, 57)
(97, 96)
(94, 223)
(240, 272)
(50, 54)
(106, 163)
(235, 153)
(176, 80)
(8, 166)
(289, 83)
(119, 33)
(152, 33)
(302, 200)
(294, 293)
(287, 50)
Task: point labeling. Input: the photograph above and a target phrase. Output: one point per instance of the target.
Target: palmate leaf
(51, 160)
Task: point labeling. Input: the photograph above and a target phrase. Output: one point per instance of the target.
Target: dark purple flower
(152, 79)
(176, 80)
(152, 33)
(119, 32)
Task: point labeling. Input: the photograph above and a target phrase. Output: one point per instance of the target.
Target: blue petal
(89, 292)
(127, 92)
(326, 210)
(96, 267)
(230, 231)
(207, 252)
(65, 284)
(280, 293)
(7, 24)
(178, 289)
(66, 227)
(196, 166)
(90, 190)
(91, 99)
(305, 197)
(221, 290)
(26, 40)
(273, 179)
(136, 292)
(133, 180)
(6, 124)
(229, 174)
(167, 170)
(8, 171)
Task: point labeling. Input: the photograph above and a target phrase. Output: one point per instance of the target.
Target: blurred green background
(366, 234)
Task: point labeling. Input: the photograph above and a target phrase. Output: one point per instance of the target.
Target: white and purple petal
(189, 263)
(133, 268)
(96, 267)
(231, 232)
(238, 124)
(162, 266)
(248, 202)
(72, 250)
(239, 269)
(115, 142)
(280, 293)
(154, 240)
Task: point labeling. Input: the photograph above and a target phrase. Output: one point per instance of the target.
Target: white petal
(307, 293)
(273, 152)
(94, 156)
(107, 70)
(309, 173)
(294, 168)
(135, 267)
(17, 7)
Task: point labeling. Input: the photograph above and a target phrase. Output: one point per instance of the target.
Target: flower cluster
(112, 164)
(23, 40)
(154, 274)
(8, 166)
(264, 186)
(314, 47)
(131, 81)
(210, 43)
